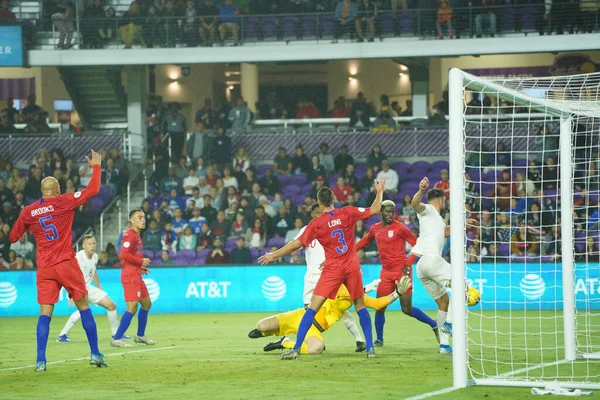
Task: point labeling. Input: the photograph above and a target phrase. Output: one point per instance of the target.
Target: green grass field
(209, 356)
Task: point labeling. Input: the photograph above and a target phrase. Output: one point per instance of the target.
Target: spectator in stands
(407, 211)
(175, 125)
(191, 32)
(23, 248)
(229, 21)
(10, 110)
(270, 183)
(366, 182)
(436, 117)
(501, 157)
(179, 223)
(93, 15)
(241, 255)
(221, 148)
(533, 174)
(38, 123)
(342, 190)
(218, 256)
(6, 124)
(188, 240)
(181, 170)
(5, 13)
(307, 109)
(300, 162)
(444, 16)
(198, 144)
(492, 255)
(546, 144)
(391, 177)
(552, 243)
(34, 184)
(318, 184)
(342, 160)
(367, 13)
(65, 25)
(444, 183)
(201, 167)
(165, 259)
(256, 236)
(44, 167)
(16, 182)
(408, 112)
(207, 115)
(174, 201)
(220, 227)
(384, 122)
(550, 175)
(523, 243)
(208, 22)
(239, 116)
(228, 179)
(339, 109)
(504, 190)
(172, 31)
(316, 170)
(350, 178)
(375, 159)
(281, 223)
(171, 181)
(6, 194)
(360, 113)
(190, 184)
(524, 185)
(110, 176)
(196, 221)
(292, 233)
(241, 159)
(208, 211)
(591, 252)
(239, 226)
(282, 163)
(169, 238)
(108, 25)
(7, 172)
(326, 158)
(486, 14)
(345, 16)
(131, 29)
(151, 237)
(30, 109)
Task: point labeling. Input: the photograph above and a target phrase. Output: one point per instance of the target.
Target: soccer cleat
(447, 328)
(290, 355)
(277, 345)
(144, 340)
(378, 343)
(40, 366)
(98, 360)
(118, 343)
(63, 339)
(255, 334)
(371, 353)
(436, 332)
(445, 349)
(125, 337)
(360, 346)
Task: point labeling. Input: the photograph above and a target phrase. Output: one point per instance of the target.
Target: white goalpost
(524, 161)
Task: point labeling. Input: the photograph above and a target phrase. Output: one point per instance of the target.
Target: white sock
(449, 316)
(113, 321)
(351, 325)
(73, 319)
(441, 318)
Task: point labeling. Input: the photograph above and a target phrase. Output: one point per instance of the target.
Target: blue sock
(421, 316)
(142, 321)
(365, 323)
(123, 325)
(305, 324)
(42, 332)
(89, 325)
(379, 322)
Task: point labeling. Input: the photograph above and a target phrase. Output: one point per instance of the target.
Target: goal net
(524, 157)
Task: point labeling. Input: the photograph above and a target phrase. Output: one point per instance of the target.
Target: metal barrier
(116, 202)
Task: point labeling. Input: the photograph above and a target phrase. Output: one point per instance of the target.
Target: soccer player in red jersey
(50, 219)
(134, 266)
(334, 229)
(391, 237)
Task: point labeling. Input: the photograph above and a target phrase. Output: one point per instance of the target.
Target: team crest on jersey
(126, 245)
(390, 233)
(77, 195)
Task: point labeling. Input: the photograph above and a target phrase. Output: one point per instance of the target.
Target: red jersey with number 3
(132, 254)
(50, 221)
(391, 243)
(335, 231)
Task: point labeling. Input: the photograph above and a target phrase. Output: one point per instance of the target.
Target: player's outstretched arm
(365, 241)
(379, 189)
(284, 251)
(18, 229)
(416, 203)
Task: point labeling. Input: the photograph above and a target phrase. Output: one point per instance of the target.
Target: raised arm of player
(365, 241)
(416, 203)
(379, 189)
(82, 197)
(18, 229)
(407, 235)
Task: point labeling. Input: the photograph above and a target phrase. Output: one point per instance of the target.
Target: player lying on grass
(88, 260)
(432, 269)
(334, 229)
(50, 220)
(391, 237)
(331, 312)
(134, 266)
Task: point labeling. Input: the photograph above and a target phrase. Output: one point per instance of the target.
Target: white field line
(432, 394)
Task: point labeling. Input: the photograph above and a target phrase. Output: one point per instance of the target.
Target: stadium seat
(270, 26)
(291, 189)
(250, 28)
(388, 24)
(325, 24)
(440, 165)
(290, 27)
(308, 27)
(420, 166)
(402, 167)
(529, 16)
(406, 22)
(186, 254)
(232, 241)
(276, 241)
(298, 179)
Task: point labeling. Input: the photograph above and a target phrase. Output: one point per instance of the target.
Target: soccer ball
(473, 297)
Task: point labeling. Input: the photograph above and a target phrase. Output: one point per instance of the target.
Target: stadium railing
(286, 27)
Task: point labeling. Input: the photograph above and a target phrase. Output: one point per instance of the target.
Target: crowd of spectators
(19, 188)
(32, 115)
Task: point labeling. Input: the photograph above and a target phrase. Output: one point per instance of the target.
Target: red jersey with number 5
(132, 254)
(335, 231)
(50, 220)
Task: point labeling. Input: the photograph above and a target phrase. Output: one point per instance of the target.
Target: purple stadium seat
(410, 187)
(231, 241)
(507, 18)
(308, 26)
(149, 254)
(200, 260)
(292, 189)
(186, 254)
(306, 189)
(520, 162)
(289, 26)
(373, 260)
(504, 249)
(406, 22)
(270, 26)
(276, 241)
(401, 167)
(157, 254)
(475, 175)
(529, 18)
(440, 165)
(298, 199)
(388, 24)
(298, 179)
(230, 247)
(360, 169)
(284, 179)
(420, 166)
(260, 170)
(203, 253)
(254, 253)
(545, 259)
(250, 27)
(96, 205)
(326, 25)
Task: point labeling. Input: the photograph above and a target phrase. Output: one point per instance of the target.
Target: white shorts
(309, 288)
(95, 295)
(434, 273)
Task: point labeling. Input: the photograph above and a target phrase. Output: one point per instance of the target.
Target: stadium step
(97, 93)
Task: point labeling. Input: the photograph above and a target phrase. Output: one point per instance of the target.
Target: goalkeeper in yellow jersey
(331, 312)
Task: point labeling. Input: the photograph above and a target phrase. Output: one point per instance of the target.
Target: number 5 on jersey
(339, 235)
(50, 229)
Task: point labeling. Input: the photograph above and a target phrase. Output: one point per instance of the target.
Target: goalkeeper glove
(403, 285)
(372, 286)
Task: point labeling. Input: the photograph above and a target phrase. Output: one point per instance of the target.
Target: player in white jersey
(88, 260)
(432, 269)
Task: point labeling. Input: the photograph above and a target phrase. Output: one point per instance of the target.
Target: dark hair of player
(135, 210)
(434, 194)
(325, 196)
(313, 207)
